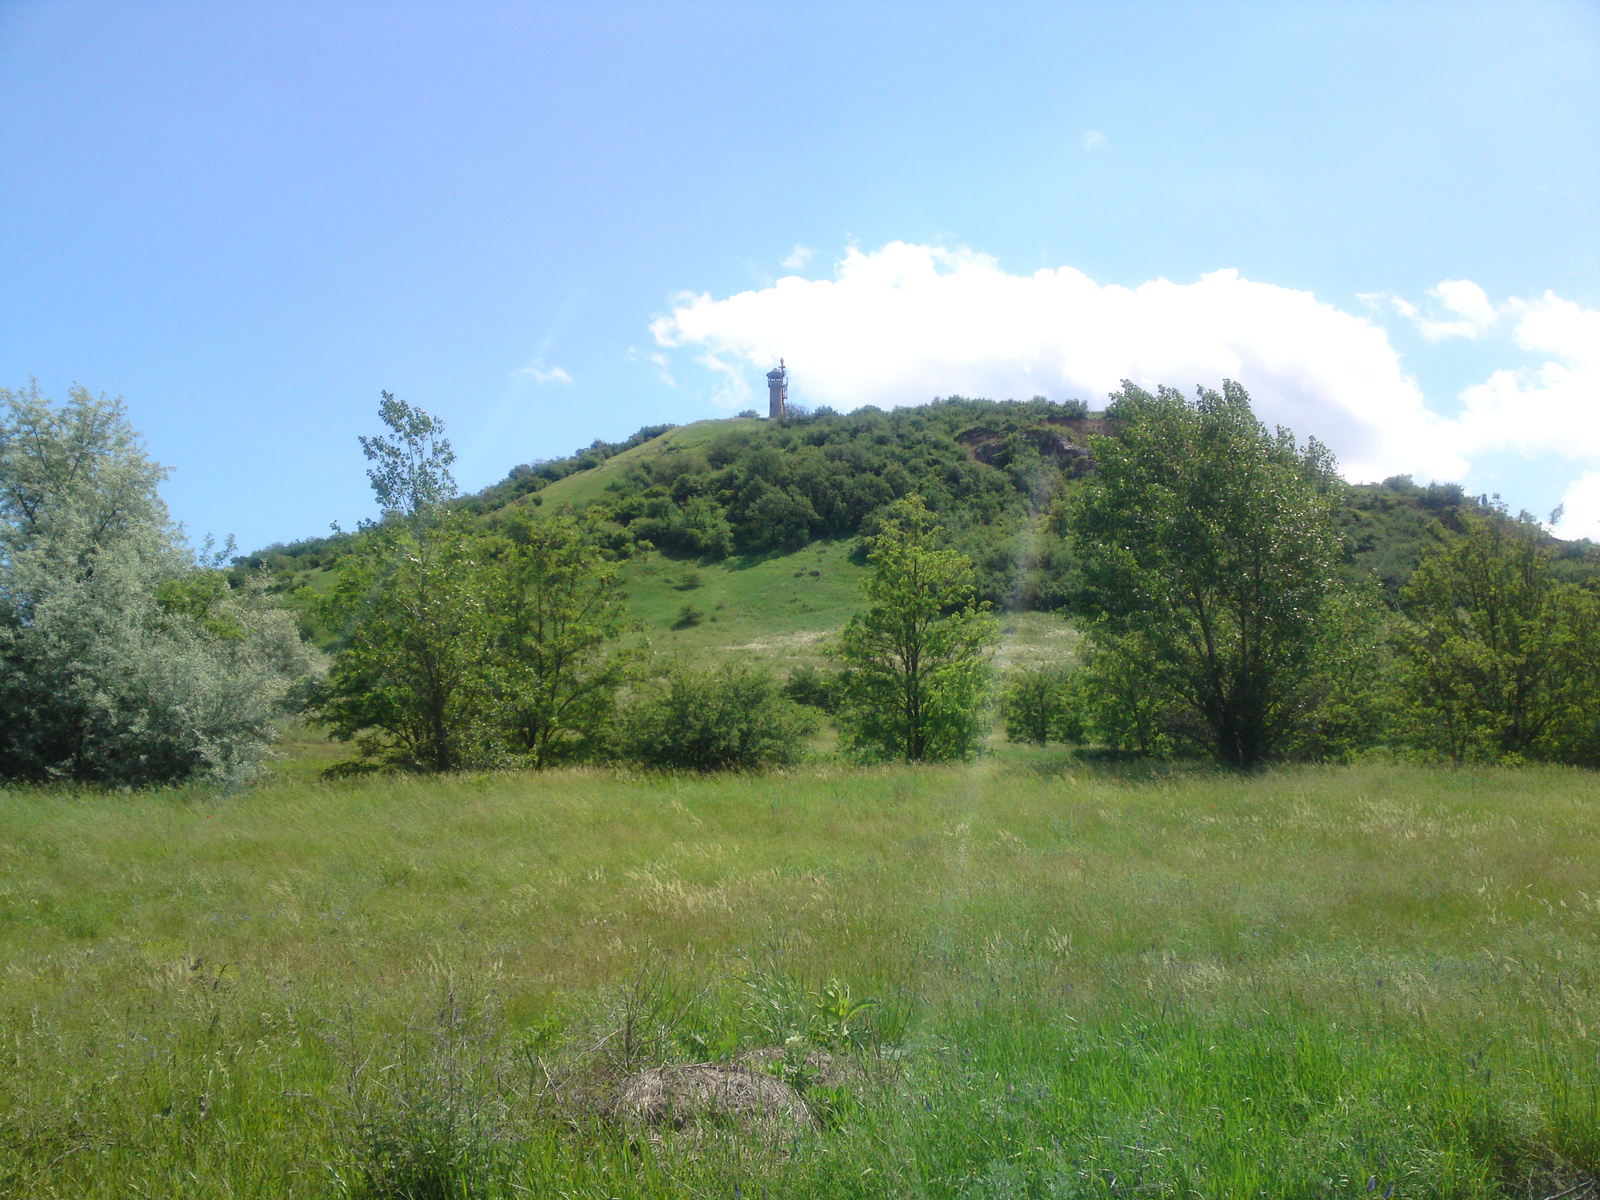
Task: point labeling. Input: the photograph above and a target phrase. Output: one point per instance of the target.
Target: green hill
(766, 513)
(585, 487)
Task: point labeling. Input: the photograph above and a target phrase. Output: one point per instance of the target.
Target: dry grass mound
(710, 1095)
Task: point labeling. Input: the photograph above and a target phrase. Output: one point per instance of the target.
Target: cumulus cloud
(542, 374)
(901, 324)
(1552, 408)
(798, 258)
(1459, 308)
(1093, 140)
(1580, 515)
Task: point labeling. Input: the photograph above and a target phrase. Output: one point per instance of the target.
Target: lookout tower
(778, 391)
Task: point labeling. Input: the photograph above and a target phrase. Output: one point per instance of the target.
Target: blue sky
(549, 224)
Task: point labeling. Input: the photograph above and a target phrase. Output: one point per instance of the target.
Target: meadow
(1037, 975)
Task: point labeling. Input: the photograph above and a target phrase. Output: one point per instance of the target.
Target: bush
(729, 717)
(814, 688)
(1033, 704)
(1118, 698)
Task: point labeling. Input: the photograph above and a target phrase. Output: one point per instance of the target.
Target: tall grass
(1088, 982)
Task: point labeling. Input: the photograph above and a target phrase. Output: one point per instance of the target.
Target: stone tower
(778, 391)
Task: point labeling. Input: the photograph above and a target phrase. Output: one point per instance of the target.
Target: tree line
(467, 644)
(1219, 620)
(1211, 578)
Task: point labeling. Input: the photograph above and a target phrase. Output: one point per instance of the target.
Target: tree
(123, 658)
(1213, 540)
(1501, 661)
(559, 610)
(917, 661)
(410, 681)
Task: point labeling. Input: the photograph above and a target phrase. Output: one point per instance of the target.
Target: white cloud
(663, 369)
(1553, 408)
(1468, 302)
(901, 324)
(1466, 310)
(542, 374)
(1093, 140)
(797, 259)
(1581, 509)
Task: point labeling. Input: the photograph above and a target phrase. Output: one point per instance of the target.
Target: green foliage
(557, 610)
(840, 1016)
(812, 687)
(410, 681)
(916, 662)
(1213, 540)
(709, 719)
(773, 488)
(1501, 660)
(1118, 697)
(123, 659)
(459, 647)
(1034, 702)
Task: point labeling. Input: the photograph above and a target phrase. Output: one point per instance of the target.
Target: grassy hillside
(585, 487)
(1088, 983)
(750, 489)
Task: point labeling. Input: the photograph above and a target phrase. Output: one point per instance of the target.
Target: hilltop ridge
(744, 489)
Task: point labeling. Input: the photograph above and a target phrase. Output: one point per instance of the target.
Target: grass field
(1090, 981)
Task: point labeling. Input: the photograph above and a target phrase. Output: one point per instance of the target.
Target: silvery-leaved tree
(123, 658)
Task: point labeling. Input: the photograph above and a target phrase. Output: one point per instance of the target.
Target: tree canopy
(1501, 658)
(917, 660)
(1213, 540)
(123, 657)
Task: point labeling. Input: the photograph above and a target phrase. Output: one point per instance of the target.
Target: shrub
(1119, 699)
(1033, 702)
(730, 717)
(812, 687)
(1500, 658)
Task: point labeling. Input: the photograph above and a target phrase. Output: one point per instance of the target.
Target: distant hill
(743, 491)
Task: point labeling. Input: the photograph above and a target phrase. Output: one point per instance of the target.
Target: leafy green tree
(917, 661)
(1033, 703)
(410, 683)
(123, 658)
(1118, 697)
(1501, 661)
(1213, 540)
(558, 612)
(730, 717)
